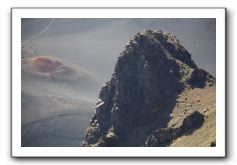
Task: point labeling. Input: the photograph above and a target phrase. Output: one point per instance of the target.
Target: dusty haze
(57, 110)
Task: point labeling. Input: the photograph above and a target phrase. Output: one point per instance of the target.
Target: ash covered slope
(55, 96)
(135, 107)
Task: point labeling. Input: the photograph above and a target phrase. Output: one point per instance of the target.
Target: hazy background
(94, 44)
(56, 112)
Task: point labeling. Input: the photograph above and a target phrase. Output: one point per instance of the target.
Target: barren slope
(204, 101)
(55, 97)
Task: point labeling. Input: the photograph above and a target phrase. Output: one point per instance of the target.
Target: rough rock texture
(164, 136)
(135, 106)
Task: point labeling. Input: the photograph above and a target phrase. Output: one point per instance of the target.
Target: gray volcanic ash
(55, 96)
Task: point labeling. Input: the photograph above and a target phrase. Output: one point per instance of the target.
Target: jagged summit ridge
(153, 69)
(169, 44)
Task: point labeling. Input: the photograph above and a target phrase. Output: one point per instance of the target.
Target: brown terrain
(202, 100)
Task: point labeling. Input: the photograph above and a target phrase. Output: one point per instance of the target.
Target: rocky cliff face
(136, 105)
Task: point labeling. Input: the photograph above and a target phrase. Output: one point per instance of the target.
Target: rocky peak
(149, 74)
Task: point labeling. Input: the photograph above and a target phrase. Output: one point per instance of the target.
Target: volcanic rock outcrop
(136, 105)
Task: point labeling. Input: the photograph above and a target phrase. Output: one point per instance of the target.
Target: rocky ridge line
(153, 69)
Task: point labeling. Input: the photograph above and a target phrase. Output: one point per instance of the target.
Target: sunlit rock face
(153, 69)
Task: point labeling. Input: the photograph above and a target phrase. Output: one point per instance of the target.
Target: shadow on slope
(165, 136)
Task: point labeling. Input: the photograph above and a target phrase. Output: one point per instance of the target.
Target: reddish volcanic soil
(47, 66)
(43, 64)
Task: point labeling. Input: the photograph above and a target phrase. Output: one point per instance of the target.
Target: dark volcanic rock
(164, 136)
(213, 144)
(151, 71)
(191, 123)
(199, 78)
